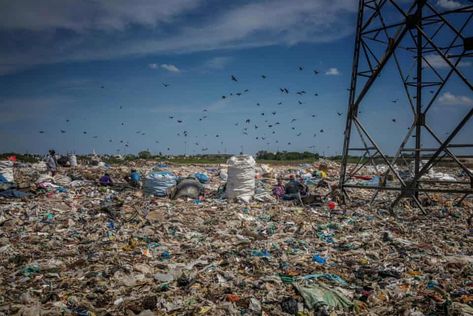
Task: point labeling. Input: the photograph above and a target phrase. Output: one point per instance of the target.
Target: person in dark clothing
(295, 189)
(106, 180)
(293, 186)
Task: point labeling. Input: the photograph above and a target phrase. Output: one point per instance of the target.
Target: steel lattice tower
(427, 43)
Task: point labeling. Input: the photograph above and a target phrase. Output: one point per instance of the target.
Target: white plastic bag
(6, 172)
(241, 178)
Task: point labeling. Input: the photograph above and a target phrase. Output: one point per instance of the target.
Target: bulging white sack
(241, 178)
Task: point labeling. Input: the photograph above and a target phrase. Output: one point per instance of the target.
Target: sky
(125, 76)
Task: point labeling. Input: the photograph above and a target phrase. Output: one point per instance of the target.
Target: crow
(234, 78)
(165, 84)
(263, 76)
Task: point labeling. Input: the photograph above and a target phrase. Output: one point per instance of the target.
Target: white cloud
(437, 61)
(153, 66)
(218, 62)
(102, 30)
(449, 4)
(86, 16)
(449, 98)
(332, 72)
(170, 68)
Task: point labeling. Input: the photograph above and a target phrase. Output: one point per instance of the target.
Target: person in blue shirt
(135, 178)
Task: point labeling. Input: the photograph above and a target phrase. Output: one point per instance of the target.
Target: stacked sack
(159, 183)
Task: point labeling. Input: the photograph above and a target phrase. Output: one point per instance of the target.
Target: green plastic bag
(318, 295)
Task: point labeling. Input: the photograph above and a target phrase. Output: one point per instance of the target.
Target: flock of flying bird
(270, 122)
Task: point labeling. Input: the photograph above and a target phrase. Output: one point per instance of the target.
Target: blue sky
(99, 67)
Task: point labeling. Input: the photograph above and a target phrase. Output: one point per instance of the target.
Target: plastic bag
(241, 178)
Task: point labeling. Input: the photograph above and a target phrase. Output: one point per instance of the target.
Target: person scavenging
(106, 180)
(51, 162)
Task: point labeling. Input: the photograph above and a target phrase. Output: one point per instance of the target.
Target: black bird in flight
(246, 90)
(394, 120)
(279, 103)
(339, 114)
(313, 115)
(165, 84)
(84, 132)
(301, 68)
(316, 94)
(41, 132)
(67, 121)
(321, 130)
(102, 87)
(299, 102)
(257, 104)
(234, 78)
(293, 120)
(316, 72)
(179, 121)
(263, 76)
(274, 113)
(63, 131)
(171, 117)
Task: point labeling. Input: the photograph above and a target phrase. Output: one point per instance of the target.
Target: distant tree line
(286, 155)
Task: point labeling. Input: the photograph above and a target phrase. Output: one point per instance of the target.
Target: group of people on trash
(294, 189)
(134, 178)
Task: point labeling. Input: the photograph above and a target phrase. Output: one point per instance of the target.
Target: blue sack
(202, 177)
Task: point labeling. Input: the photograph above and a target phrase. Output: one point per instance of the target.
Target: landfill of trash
(215, 240)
